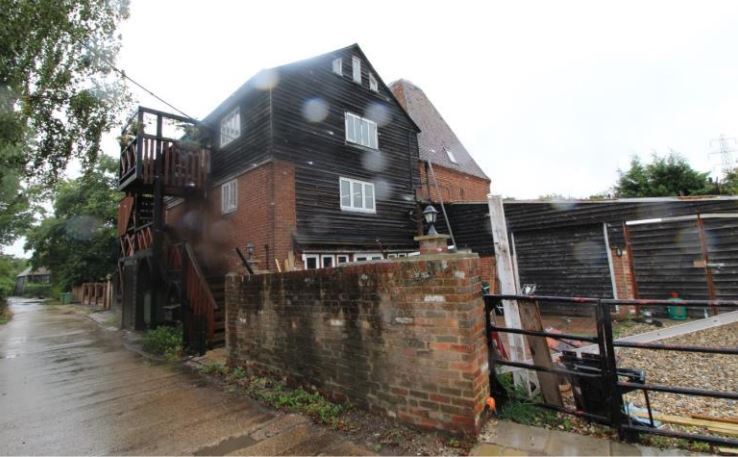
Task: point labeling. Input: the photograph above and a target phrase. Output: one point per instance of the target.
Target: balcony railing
(181, 165)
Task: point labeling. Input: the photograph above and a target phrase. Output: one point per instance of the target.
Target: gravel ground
(625, 328)
(705, 371)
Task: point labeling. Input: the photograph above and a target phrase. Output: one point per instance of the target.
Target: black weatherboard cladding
(274, 126)
(322, 155)
(569, 261)
(552, 239)
(668, 258)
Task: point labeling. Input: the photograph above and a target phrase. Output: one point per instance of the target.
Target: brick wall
(403, 338)
(623, 280)
(453, 186)
(265, 216)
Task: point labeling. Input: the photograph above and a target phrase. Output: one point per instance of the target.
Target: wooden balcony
(182, 165)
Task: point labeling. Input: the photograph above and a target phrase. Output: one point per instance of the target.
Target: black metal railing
(604, 369)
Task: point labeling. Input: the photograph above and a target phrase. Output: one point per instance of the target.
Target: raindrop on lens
(315, 110)
(378, 113)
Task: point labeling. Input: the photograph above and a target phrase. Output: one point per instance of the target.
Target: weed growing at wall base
(164, 341)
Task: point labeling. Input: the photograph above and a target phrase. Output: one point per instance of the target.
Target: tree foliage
(9, 269)
(79, 242)
(662, 177)
(57, 92)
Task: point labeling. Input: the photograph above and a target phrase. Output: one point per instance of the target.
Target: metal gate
(609, 381)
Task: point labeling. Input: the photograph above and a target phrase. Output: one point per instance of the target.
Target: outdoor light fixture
(430, 214)
(250, 249)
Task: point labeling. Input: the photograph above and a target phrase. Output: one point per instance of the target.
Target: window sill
(357, 210)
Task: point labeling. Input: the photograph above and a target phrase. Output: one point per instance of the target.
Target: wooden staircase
(217, 289)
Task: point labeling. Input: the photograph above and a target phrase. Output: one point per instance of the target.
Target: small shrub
(5, 313)
(522, 409)
(37, 290)
(213, 368)
(237, 374)
(164, 341)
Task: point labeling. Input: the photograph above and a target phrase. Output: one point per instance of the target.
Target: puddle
(227, 446)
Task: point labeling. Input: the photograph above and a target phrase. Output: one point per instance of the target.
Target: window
(229, 197)
(230, 127)
(326, 261)
(357, 195)
(311, 261)
(361, 131)
(365, 257)
(342, 258)
(373, 83)
(338, 66)
(356, 67)
(450, 155)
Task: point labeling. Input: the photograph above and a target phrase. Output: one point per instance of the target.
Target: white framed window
(230, 127)
(373, 85)
(229, 197)
(311, 261)
(338, 66)
(357, 195)
(367, 256)
(361, 131)
(356, 69)
(342, 258)
(392, 255)
(327, 261)
(450, 155)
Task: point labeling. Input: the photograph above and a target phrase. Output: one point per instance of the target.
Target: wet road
(68, 386)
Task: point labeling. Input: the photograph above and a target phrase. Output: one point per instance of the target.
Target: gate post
(609, 366)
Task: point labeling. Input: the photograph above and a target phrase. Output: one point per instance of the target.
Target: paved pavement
(68, 386)
(509, 438)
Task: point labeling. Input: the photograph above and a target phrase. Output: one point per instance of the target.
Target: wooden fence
(99, 294)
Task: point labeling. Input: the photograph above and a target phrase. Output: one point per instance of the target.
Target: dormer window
(230, 127)
(338, 66)
(356, 68)
(373, 83)
(450, 155)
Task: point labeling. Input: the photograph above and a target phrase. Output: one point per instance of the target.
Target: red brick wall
(623, 280)
(265, 216)
(403, 338)
(452, 186)
(488, 272)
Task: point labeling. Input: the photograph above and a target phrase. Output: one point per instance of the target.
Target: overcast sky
(549, 97)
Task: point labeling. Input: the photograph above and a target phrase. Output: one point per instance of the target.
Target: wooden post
(530, 316)
(505, 274)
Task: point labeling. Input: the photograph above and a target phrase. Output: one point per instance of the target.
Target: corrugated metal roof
(29, 272)
(437, 142)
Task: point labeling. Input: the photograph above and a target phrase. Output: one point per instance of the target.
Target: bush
(5, 313)
(164, 341)
(37, 290)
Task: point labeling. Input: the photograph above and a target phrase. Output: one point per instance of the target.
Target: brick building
(458, 178)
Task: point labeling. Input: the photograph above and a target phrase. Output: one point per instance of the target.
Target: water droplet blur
(315, 110)
(219, 232)
(374, 160)
(267, 79)
(589, 252)
(563, 205)
(82, 227)
(382, 189)
(378, 113)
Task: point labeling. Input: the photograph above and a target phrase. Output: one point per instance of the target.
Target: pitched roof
(30, 272)
(436, 138)
(259, 78)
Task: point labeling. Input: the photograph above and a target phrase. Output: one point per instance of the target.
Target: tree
(9, 269)
(729, 184)
(79, 242)
(57, 92)
(663, 177)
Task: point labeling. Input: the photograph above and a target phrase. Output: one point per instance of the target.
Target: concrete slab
(509, 438)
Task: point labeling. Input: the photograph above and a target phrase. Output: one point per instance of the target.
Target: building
(626, 248)
(306, 165)
(447, 170)
(42, 275)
